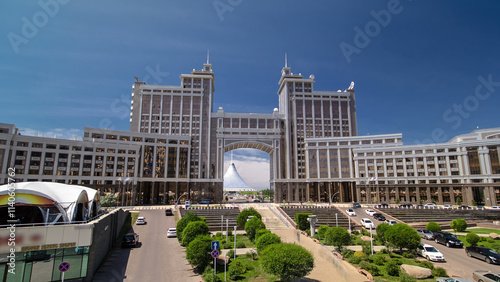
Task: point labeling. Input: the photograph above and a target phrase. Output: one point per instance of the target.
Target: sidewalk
(326, 266)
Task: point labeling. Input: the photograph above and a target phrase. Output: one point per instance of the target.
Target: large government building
(176, 147)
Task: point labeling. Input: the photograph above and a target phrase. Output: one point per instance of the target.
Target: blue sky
(70, 64)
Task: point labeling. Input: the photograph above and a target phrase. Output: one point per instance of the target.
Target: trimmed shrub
(439, 272)
(287, 261)
(392, 268)
(241, 220)
(261, 232)
(338, 237)
(458, 224)
(346, 253)
(433, 226)
(230, 254)
(192, 230)
(228, 245)
(301, 220)
(236, 269)
(252, 226)
(197, 250)
(381, 228)
(354, 260)
(240, 245)
(402, 236)
(408, 255)
(365, 265)
(472, 238)
(184, 221)
(359, 254)
(266, 240)
(379, 260)
(366, 247)
(251, 255)
(208, 275)
(322, 231)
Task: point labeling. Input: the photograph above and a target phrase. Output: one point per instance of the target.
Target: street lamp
(176, 201)
(333, 196)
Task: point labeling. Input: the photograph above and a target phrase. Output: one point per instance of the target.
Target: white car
(171, 232)
(390, 221)
(141, 220)
(429, 252)
(496, 208)
(370, 212)
(367, 223)
(447, 207)
(430, 205)
(350, 212)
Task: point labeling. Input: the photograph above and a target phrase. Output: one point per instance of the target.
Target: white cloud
(252, 165)
(59, 133)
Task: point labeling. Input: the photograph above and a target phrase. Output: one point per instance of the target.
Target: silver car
(449, 279)
(485, 276)
(425, 234)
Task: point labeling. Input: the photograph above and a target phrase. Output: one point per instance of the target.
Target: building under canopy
(233, 181)
(49, 203)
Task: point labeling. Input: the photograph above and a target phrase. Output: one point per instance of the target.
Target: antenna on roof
(286, 61)
(208, 56)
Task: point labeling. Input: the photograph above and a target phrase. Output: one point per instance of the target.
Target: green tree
(241, 220)
(265, 240)
(472, 238)
(458, 224)
(192, 230)
(301, 220)
(459, 201)
(260, 232)
(287, 261)
(108, 200)
(184, 221)
(433, 226)
(381, 228)
(198, 252)
(322, 231)
(338, 237)
(252, 226)
(402, 236)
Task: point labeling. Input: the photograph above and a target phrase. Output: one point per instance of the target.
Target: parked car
(350, 212)
(483, 253)
(425, 234)
(495, 208)
(390, 221)
(419, 206)
(464, 207)
(447, 239)
(367, 223)
(141, 220)
(406, 205)
(171, 232)
(130, 240)
(454, 279)
(429, 252)
(430, 205)
(379, 216)
(169, 212)
(370, 212)
(447, 207)
(383, 206)
(256, 200)
(485, 276)
(204, 201)
(356, 206)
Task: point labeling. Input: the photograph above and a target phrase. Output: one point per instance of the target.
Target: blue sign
(215, 245)
(64, 266)
(215, 253)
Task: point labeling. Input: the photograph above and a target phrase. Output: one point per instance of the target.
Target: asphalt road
(157, 258)
(458, 263)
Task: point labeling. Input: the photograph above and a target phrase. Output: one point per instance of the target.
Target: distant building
(176, 145)
(233, 181)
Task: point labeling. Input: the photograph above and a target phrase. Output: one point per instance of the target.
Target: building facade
(176, 147)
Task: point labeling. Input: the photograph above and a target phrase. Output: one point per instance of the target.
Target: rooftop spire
(286, 61)
(208, 56)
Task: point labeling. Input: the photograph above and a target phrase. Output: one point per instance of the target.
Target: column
(417, 192)
(440, 194)
(428, 190)
(289, 192)
(297, 192)
(408, 196)
(308, 199)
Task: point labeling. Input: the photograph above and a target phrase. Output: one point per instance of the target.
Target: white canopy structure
(233, 181)
(54, 202)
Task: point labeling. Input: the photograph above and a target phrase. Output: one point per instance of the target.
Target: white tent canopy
(233, 181)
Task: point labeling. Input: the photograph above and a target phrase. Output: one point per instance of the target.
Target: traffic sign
(215, 245)
(64, 266)
(215, 253)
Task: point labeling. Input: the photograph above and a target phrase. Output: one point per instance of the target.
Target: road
(157, 258)
(458, 263)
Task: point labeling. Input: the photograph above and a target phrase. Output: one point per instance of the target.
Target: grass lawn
(482, 230)
(239, 238)
(134, 215)
(490, 243)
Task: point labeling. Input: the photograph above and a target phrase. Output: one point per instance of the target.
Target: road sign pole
(227, 229)
(215, 269)
(234, 242)
(63, 276)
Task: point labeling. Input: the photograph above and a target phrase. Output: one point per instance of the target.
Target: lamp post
(333, 196)
(234, 242)
(176, 201)
(371, 238)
